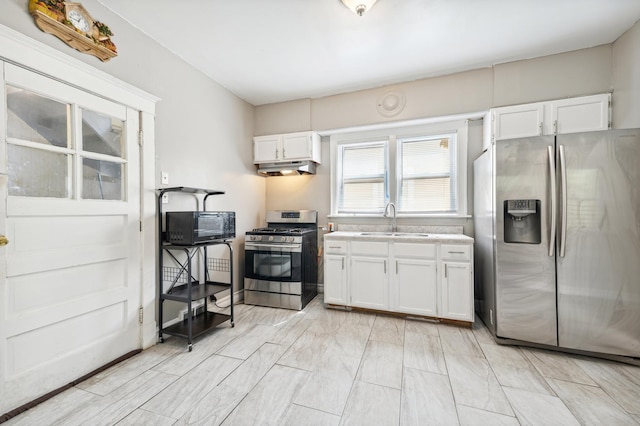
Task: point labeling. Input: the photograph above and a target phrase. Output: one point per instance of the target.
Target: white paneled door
(70, 208)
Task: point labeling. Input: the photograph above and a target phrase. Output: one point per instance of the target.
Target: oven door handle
(271, 246)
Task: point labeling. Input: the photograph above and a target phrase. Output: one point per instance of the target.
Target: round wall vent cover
(391, 104)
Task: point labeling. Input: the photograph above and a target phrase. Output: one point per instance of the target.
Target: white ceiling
(269, 51)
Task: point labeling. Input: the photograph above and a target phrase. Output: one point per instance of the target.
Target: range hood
(287, 168)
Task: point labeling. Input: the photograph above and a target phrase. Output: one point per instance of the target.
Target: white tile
(590, 404)
(298, 415)
(106, 381)
(426, 399)
(388, 329)
(475, 385)
(424, 352)
(142, 417)
(620, 381)
(537, 409)
(269, 400)
(422, 326)
(122, 401)
(328, 386)
(178, 398)
(307, 350)
(470, 416)
(371, 404)
(55, 409)
(382, 364)
(513, 369)
(482, 333)
(216, 405)
(247, 343)
(459, 341)
(557, 365)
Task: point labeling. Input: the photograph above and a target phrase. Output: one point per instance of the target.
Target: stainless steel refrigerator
(557, 223)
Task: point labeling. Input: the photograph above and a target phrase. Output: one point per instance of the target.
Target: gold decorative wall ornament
(71, 23)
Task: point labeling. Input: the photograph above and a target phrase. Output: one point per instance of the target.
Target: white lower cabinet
(456, 299)
(456, 278)
(414, 280)
(369, 283)
(429, 279)
(335, 274)
(368, 274)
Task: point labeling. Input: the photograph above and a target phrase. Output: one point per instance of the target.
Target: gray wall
(626, 79)
(203, 132)
(578, 73)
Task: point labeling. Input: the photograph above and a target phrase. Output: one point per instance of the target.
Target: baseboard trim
(21, 409)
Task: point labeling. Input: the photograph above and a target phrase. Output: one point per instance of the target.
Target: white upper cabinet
(518, 121)
(286, 147)
(585, 114)
(266, 149)
(572, 115)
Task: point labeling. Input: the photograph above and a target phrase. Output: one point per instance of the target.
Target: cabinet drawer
(456, 252)
(425, 251)
(376, 248)
(338, 247)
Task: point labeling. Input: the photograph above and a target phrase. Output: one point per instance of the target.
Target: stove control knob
(271, 238)
(283, 239)
(290, 239)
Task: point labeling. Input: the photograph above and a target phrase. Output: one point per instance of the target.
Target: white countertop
(400, 237)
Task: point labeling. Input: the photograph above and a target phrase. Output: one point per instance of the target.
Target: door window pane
(102, 180)
(34, 118)
(38, 173)
(101, 134)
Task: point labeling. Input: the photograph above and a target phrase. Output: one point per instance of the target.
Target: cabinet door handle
(335, 247)
(276, 153)
(445, 270)
(385, 266)
(540, 132)
(456, 252)
(396, 267)
(343, 263)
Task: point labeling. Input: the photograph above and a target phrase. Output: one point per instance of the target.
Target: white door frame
(23, 51)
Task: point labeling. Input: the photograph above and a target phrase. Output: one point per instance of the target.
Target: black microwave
(185, 228)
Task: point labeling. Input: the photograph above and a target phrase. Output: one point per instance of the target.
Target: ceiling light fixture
(358, 6)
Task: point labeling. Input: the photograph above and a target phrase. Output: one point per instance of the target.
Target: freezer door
(525, 270)
(483, 225)
(599, 254)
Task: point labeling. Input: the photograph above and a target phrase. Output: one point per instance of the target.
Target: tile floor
(329, 367)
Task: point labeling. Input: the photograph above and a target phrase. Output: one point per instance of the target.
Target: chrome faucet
(387, 209)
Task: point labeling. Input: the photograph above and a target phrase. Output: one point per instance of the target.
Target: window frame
(457, 126)
(384, 143)
(76, 101)
(452, 175)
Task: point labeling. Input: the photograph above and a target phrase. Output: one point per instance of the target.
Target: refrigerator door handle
(563, 178)
(554, 208)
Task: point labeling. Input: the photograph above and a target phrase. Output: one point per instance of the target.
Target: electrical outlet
(165, 198)
(164, 178)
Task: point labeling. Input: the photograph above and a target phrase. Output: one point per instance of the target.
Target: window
(363, 182)
(421, 169)
(427, 181)
(45, 143)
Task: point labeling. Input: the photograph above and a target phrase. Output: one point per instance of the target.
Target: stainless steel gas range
(281, 260)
